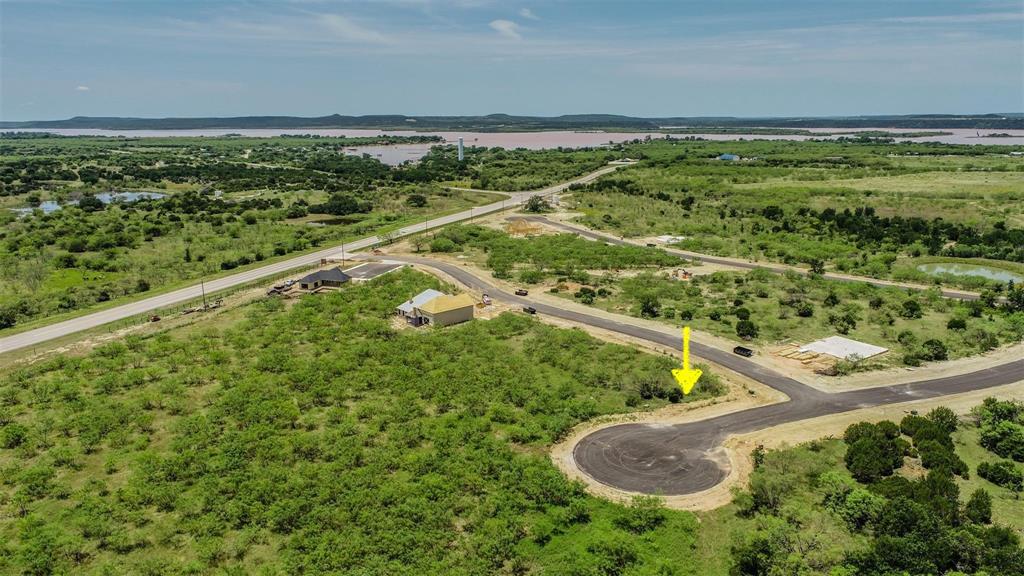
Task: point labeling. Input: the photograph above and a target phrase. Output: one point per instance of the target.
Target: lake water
(550, 139)
(105, 197)
(399, 153)
(961, 269)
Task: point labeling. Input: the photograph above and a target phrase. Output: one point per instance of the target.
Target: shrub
(536, 204)
(958, 324)
(746, 329)
(531, 276)
(944, 418)
(979, 508)
(934, 349)
(911, 309)
(911, 359)
(13, 435)
(871, 453)
(1003, 473)
(443, 245)
(643, 514)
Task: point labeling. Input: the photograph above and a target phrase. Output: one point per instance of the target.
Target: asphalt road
(736, 263)
(687, 458)
(59, 329)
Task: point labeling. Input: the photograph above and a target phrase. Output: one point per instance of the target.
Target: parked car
(743, 351)
(652, 245)
(529, 309)
(521, 292)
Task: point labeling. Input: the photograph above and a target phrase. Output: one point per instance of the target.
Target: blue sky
(684, 58)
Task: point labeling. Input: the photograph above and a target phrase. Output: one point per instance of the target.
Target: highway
(687, 458)
(59, 329)
(737, 263)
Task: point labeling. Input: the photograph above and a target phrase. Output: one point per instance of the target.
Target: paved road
(736, 263)
(688, 458)
(59, 329)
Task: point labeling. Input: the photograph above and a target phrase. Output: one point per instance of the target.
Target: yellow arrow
(686, 377)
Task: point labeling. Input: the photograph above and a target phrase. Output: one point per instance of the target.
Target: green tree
(911, 309)
(537, 204)
(746, 329)
(979, 507)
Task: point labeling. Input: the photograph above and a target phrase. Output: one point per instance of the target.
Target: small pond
(105, 197)
(962, 269)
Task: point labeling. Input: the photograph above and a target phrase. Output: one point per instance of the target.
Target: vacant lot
(318, 438)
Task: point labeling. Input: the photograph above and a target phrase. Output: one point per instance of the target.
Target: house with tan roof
(431, 307)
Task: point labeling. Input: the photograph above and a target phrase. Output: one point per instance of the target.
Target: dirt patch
(903, 374)
(525, 229)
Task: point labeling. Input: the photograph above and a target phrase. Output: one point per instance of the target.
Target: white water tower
(462, 154)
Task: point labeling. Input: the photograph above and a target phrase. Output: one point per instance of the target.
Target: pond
(106, 197)
(962, 269)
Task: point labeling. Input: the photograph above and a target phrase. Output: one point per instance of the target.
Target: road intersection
(686, 458)
(60, 329)
(648, 458)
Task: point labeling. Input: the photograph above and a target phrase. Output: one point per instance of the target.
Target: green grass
(678, 188)
(1007, 506)
(317, 426)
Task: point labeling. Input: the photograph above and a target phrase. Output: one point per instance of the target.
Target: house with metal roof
(408, 307)
(731, 157)
(330, 278)
(437, 308)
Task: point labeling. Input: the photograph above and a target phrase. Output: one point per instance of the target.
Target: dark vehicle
(154, 318)
(521, 292)
(743, 351)
(529, 309)
(651, 245)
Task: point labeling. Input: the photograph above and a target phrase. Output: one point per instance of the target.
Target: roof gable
(446, 303)
(329, 275)
(419, 300)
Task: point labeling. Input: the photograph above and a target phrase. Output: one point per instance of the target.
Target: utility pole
(202, 286)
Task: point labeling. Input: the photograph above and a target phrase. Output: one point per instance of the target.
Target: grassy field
(798, 309)
(1007, 506)
(957, 196)
(314, 436)
(788, 308)
(862, 208)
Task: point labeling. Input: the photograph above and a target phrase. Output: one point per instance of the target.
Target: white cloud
(343, 28)
(528, 14)
(507, 28)
(82, 88)
(983, 17)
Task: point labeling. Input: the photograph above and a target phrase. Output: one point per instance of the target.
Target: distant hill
(507, 123)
